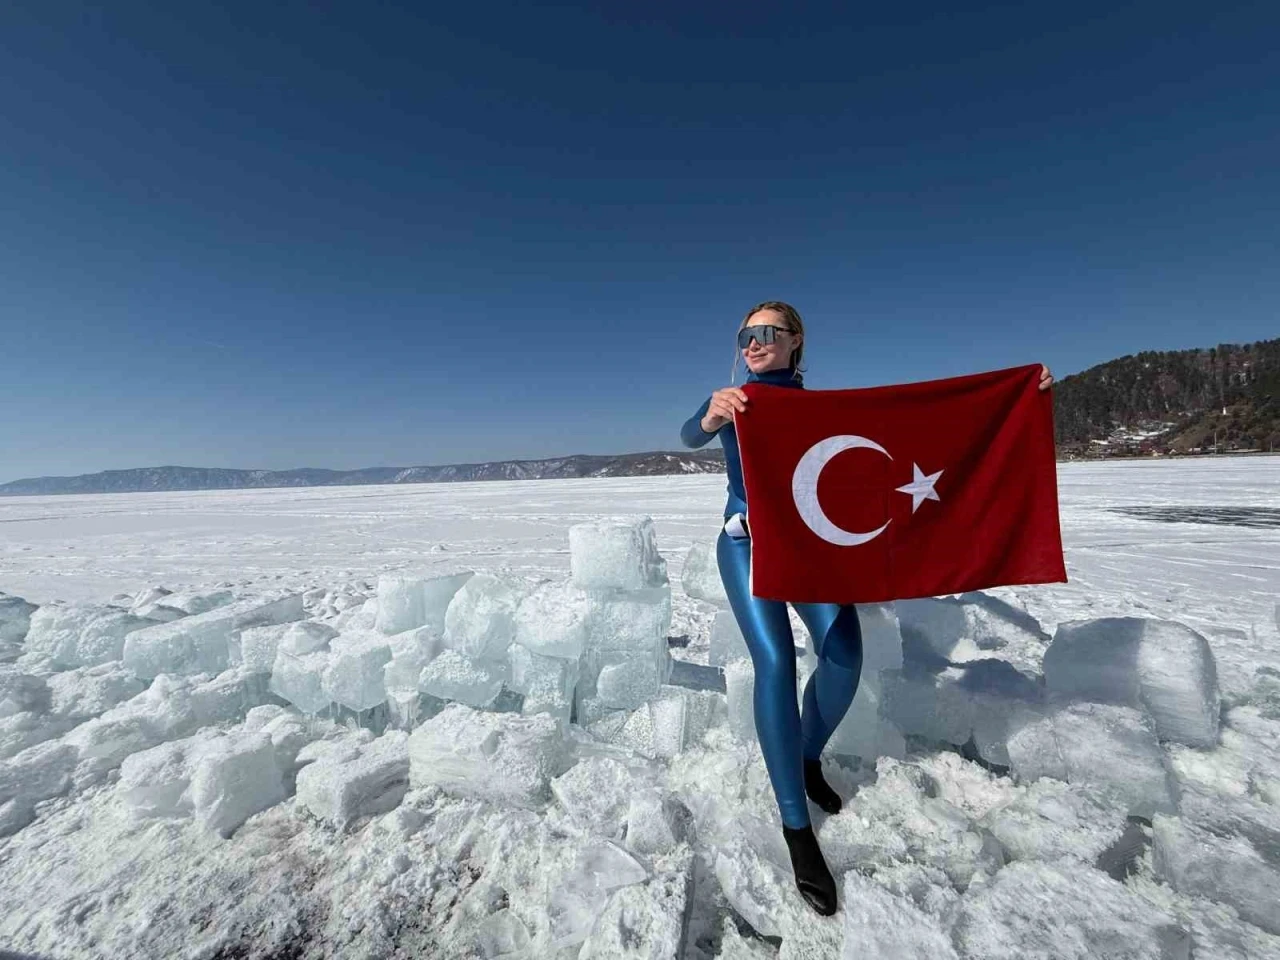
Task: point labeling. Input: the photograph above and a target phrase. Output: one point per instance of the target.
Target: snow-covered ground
(1126, 805)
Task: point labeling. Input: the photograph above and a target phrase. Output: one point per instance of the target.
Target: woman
(771, 341)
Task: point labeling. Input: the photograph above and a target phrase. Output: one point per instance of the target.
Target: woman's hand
(724, 404)
(1046, 378)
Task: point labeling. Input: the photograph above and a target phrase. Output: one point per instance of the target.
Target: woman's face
(774, 356)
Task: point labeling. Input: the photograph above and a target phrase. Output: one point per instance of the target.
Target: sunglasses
(763, 334)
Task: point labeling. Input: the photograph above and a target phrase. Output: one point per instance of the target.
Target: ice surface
(370, 780)
(300, 680)
(578, 900)
(91, 691)
(727, 642)
(655, 822)
(185, 603)
(502, 757)
(20, 731)
(405, 603)
(155, 782)
(259, 645)
(354, 675)
(648, 919)
(1053, 821)
(634, 622)
(616, 554)
(701, 576)
(1111, 746)
(1091, 917)
(596, 793)
(15, 618)
(1230, 870)
(546, 682)
(740, 685)
(625, 684)
(35, 774)
(480, 620)
(901, 819)
(863, 732)
(233, 777)
(410, 652)
(21, 693)
(664, 726)
(452, 676)
(937, 631)
(306, 636)
(553, 620)
(81, 634)
(1159, 665)
(201, 643)
(881, 926)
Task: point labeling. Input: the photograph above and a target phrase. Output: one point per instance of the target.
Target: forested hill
(1173, 402)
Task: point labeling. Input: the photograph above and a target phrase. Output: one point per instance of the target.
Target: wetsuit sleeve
(692, 434)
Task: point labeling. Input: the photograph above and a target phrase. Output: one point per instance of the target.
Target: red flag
(885, 493)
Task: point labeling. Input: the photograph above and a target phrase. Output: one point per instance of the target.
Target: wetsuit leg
(837, 638)
(767, 629)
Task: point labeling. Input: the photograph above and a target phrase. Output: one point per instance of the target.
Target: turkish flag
(917, 490)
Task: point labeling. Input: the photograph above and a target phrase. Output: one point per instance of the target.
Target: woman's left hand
(1046, 378)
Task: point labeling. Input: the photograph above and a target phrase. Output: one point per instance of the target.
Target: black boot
(813, 878)
(819, 791)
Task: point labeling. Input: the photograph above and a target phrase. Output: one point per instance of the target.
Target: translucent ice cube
(480, 620)
(553, 620)
(300, 680)
(306, 636)
(374, 781)
(234, 777)
(407, 602)
(619, 553)
(701, 577)
(354, 676)
(452, 676)
(727, 642)
(258, 646)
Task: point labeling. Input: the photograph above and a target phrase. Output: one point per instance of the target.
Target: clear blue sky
(277, 235)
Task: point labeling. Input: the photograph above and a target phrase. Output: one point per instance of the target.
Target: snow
(636, 831)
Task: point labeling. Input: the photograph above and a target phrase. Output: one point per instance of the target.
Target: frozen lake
(205, 818)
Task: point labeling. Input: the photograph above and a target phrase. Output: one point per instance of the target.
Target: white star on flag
(921, 487)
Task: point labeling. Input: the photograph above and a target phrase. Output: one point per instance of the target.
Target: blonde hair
(793, 323)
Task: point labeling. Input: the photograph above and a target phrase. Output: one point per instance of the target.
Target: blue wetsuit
(788, 737)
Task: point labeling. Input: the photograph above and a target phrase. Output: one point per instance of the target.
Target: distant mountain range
(198, 478)
(1184, 401)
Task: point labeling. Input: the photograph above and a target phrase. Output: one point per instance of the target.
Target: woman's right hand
(724, 404)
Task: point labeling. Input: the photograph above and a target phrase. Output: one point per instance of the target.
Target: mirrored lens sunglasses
(763, 334)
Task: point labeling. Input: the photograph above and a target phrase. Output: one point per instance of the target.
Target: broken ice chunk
(15, 618)
(655, 822)
(480, 620)
(234, 777)
(727, 642)
(1162, 666)
(1092, 916)
(306, 636)
(300, 680)
(353, 676)
(408, 602)
(503, 757)
(701, 577)
(553, 621)
(740, 685)
(596, 792)
(91, 691)
(618, 553)
(410, 652)
(201, 643)
(881, 926)
(77, 635)
(625, 684)
(258, 646)
(452, 676)
(546, 682)
(342, 789)
(1111, 746)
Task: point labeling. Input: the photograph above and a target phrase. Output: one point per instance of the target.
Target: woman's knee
(843, 643)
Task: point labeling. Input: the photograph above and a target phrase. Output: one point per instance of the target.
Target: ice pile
(701, 578)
